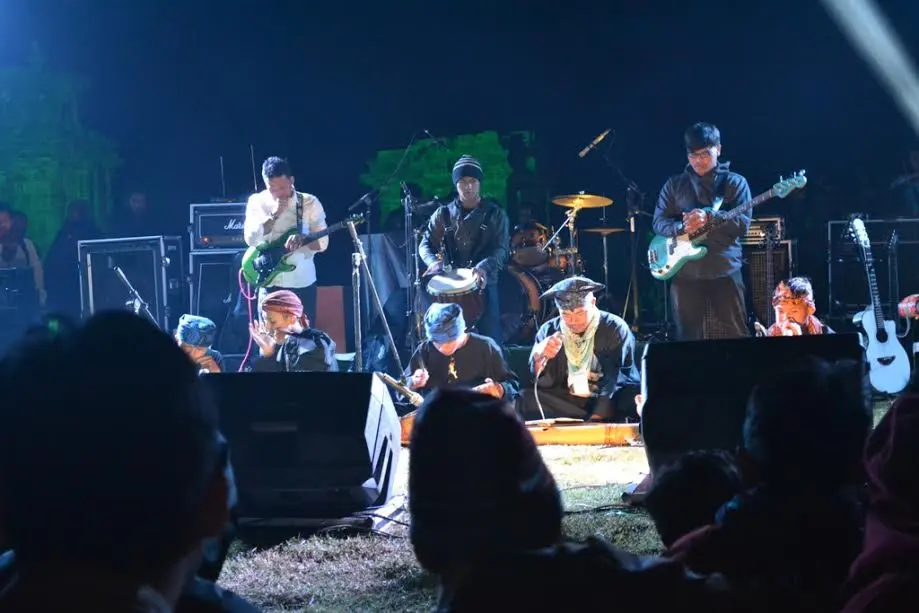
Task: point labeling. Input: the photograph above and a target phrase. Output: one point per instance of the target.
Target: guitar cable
(249, 296)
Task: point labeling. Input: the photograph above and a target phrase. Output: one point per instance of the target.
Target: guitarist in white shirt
(274, 211)
(707, 295)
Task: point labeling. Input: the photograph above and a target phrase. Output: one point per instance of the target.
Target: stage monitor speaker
(696, 392)
(309, 445)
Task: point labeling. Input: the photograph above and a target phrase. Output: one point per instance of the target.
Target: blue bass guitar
(666, 256)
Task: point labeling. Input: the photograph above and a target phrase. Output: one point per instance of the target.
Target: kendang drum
(522, 312)
(459, 286)
(528, 244)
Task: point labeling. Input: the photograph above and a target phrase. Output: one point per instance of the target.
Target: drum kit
(537, 261)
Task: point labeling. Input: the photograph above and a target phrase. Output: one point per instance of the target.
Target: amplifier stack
(215, 233)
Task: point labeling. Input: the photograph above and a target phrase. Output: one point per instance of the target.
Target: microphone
(438, 141)
(363, 200)
(405, 190)
(593, 143)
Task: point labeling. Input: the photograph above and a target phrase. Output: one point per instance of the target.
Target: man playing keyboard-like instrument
(469, 232)
(452, 357)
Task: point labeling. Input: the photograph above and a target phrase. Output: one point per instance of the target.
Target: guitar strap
(299, 197)
(718, 191)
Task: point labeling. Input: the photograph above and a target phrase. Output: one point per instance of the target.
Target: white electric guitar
(888, 364)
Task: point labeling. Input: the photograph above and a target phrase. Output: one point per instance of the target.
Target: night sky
(177, 85)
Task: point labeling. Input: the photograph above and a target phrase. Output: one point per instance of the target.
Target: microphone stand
(635, 207)
(412, 271)
(137, 302)
(359, 264)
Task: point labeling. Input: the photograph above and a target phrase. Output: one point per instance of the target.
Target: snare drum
(460, 286)
(527, 244)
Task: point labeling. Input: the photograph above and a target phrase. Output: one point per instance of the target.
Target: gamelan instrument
(666, 256)
(460, 286)
(413, 397)
(262, 263)
(888, 364)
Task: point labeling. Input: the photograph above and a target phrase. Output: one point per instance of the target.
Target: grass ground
(379, 573)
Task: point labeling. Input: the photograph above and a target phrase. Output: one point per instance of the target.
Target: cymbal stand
(552, 238)
(605, 237)
(634, 210)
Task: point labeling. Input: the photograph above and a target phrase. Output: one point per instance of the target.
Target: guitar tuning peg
(781, 178)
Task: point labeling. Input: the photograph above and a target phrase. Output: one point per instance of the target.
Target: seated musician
(285, 340)
(793, 301)
(195, 336)
(453, 357)
(584, 359)
(909, 307)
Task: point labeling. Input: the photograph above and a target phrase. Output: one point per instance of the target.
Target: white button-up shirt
(261, 207)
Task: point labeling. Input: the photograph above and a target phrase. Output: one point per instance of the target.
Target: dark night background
(177, 85)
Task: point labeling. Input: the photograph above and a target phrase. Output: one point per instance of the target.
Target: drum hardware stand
(571, 214)
(359, 263)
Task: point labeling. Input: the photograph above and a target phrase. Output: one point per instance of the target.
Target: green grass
(379, 573)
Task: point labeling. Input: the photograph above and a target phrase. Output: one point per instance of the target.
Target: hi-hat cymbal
(603, 231)
(582, 201)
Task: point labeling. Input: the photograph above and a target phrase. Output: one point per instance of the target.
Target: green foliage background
(429, 166)
(47, 157)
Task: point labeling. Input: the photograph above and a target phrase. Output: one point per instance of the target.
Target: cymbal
(582, 201)
(603, 231)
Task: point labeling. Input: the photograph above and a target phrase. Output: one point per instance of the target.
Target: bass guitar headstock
(785, 186)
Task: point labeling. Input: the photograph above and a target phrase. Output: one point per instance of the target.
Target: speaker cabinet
(213, 292)
(111, 270)
(783, 259)
(696, 392)
(309, 445)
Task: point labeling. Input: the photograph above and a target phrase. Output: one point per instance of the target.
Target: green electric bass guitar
(262, 263)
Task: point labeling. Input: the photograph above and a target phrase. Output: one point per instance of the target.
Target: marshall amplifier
(216, 226)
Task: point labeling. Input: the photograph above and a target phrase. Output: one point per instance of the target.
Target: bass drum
(522, 312)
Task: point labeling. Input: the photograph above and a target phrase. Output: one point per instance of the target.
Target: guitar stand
(359, 264)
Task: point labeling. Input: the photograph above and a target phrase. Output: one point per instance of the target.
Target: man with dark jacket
(708, 294)
(469, 232)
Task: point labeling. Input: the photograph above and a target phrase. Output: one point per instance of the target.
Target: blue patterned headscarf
(196, 331)
(444, 322)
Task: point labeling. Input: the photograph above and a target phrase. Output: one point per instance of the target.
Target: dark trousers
(489, 323)
(710, 308)
(307, 296)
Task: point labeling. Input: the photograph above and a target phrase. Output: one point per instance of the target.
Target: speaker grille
(756, 275)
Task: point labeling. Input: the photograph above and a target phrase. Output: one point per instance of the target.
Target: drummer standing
(469, 232)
